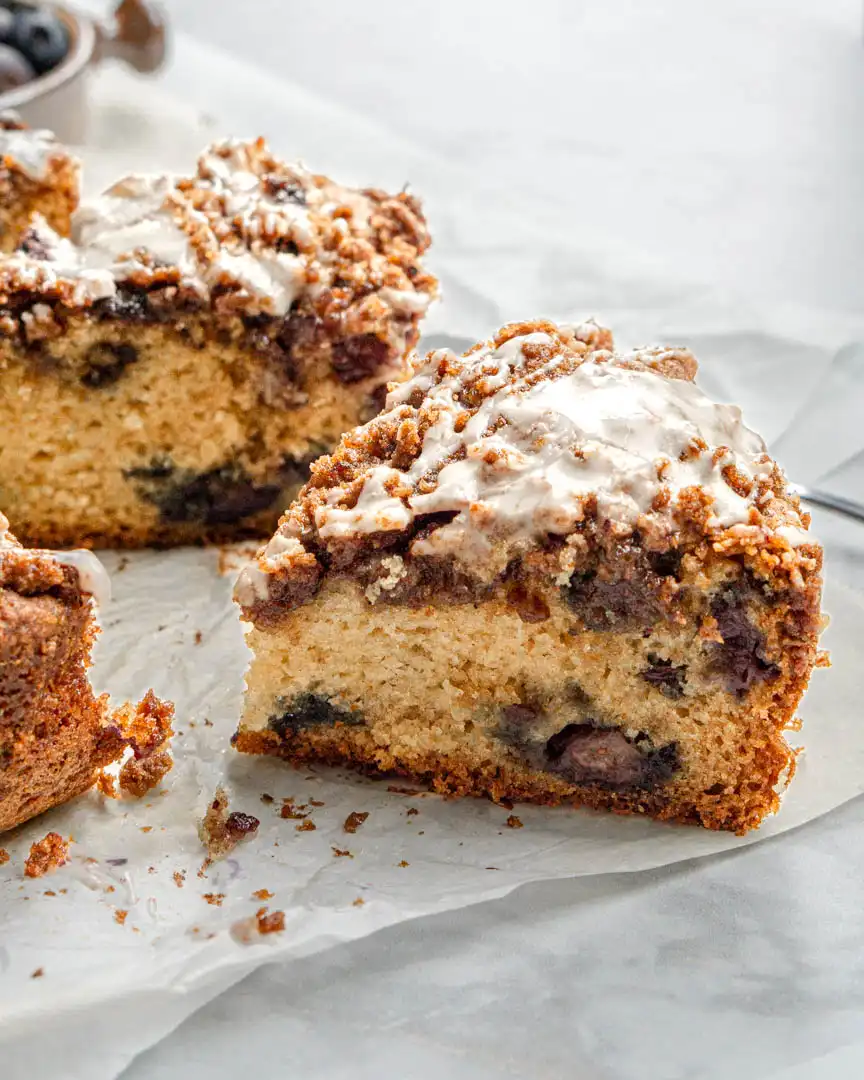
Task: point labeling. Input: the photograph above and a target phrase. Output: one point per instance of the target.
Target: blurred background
(719, 138)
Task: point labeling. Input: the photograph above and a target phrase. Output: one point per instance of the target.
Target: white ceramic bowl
(58, 99)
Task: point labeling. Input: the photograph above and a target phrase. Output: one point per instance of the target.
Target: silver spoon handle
(829, 502)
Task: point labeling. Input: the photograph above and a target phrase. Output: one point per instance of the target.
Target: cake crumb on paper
(214, 898)
(147, 728)
(354, 820)
(222, 830)
(359, 902)
(38, 973)
(263, 894)
(245, 931)
(120, 916)
(4, 856)
(411, 811)
(179, 878)
(306, 826)
(46, 855)
(402, 862)
(106, 784)
(513, 822)
(341, 853)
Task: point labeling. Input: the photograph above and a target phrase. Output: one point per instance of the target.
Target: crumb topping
(541, 432)
(30, 151)
(245, 225)
(46, 855)
(92, 576)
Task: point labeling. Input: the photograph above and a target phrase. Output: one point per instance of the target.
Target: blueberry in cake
(37, 175)
(547, 571)
(168, 373)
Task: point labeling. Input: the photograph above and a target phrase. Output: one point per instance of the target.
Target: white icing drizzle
(531, 454)
(30, 151)
(93, 578)
(235, 223)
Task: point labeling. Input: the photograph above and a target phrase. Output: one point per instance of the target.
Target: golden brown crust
(733, 811)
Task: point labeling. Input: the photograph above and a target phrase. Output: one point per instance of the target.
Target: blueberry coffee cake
(37, 175)
(168, 372)
(547, 571)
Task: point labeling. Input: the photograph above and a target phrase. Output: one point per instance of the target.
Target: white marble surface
(716, 144)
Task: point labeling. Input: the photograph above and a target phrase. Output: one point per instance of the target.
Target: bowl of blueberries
(46, 52)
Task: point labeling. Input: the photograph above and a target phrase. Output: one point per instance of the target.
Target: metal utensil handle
(136, 35)
(830, 502)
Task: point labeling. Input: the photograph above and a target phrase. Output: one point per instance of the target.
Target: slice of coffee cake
(167, 375)
(549, 572)
(37, 176)
(54, 733)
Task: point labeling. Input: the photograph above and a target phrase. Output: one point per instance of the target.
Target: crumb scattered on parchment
(306, 826)
(394, 789)
(49, 892)
(221, 830)
(4, 856)
(411, 811)
(359, 902)
(316, 802)
(38, 973)
(107, 785)
(179, 878)
(342, 853)
(46, 855)
(292, 812)
(214, 898)
(146, 828)
(199, 637)
(147, 727)
(110, 889)
(263, 894)
(402, 862)
(120, 916)
(247, 930)
(267, 799)
(354, 820)
(513, 822)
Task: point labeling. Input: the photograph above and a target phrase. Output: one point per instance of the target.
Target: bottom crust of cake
(475, 701)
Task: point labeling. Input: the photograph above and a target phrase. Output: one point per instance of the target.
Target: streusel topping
(93, 578)
(534, 434)
(28, 151)
(246, 223)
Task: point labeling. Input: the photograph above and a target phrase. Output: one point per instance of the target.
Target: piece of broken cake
(168, 373)
(546, 571)
(37, 176)
(55, 733)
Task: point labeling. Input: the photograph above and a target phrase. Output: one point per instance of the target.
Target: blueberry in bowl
(46, 51)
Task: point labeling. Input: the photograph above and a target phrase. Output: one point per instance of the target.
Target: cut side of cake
(168, 373)
(547, 571)
(55, 734)
(37, 176)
